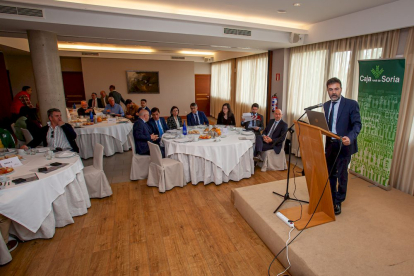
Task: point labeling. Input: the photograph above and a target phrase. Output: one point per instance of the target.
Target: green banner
(379, 96)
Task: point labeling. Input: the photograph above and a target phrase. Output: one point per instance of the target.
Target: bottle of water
(184, 129)
(91, 116)
(74, 106)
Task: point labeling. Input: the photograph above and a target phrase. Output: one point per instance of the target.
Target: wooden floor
(193, 230)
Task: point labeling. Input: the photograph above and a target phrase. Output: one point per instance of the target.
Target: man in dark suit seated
(273, 136)
(95, 102)
(143, 133)
(196, 117)
(56, 134)
(343, 119)
(157, 124)
(84, 110)
(257, 124)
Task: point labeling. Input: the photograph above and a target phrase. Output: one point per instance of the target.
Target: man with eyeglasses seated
(113, 108)
(85, 110)
(56, 134)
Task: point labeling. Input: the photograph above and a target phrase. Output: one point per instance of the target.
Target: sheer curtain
(312, 65)
(251, 85)
(220, 85)
(402, 172)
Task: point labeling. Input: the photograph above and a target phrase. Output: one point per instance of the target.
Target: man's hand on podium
(346, 141)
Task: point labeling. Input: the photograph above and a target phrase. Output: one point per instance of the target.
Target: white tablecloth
(112, 136)
(37, 207)
(209, 161)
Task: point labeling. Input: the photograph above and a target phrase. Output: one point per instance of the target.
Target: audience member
(131, 111)
(116, 95)
(6, 140)
(113, 108)
(257, 123)
(104, 98)
(84, 110)
(174, 121)
(21, 99)
(196, 117)
(95, 102)
(142, 133)
(157, 124)
(144, 106)
(226, 116)
(273, 136)
(56, 134)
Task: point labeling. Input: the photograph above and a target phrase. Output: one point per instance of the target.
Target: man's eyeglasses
(53, 133)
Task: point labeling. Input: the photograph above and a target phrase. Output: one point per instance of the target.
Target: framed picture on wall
(143, 82)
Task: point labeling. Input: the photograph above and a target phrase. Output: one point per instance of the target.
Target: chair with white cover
(272, 161)
(164, 173)
(95, 178)
(19, 142)
(140, 163)
(27, 135)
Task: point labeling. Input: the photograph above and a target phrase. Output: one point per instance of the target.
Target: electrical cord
(287, 253)
(317, 205)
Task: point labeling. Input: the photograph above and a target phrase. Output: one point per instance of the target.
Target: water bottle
(74, 106)
(91, 116)
(184, 129)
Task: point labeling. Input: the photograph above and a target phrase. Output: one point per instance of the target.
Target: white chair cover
(27, 135)
(96, 181)
(19, 142)
(140, 163)
(5, 255)
(273, 161)
(164, 173)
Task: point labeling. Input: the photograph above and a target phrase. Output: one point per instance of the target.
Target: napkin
(64, 154)
(185, 140)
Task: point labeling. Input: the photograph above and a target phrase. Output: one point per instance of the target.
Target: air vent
(90, 54)
(237, 32)
(175, 57)
(21, 11)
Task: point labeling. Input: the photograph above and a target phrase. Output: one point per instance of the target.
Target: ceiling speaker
(296, 38)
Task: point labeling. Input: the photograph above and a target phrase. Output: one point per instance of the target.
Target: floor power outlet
(285, 219)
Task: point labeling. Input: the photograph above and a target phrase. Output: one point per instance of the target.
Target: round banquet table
(209, 161)
(113, 136)
(36, 208)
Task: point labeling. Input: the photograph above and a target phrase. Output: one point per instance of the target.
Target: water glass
(33, 152)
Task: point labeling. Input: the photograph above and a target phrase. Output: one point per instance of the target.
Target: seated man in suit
(257, 124)
(196, 117)
(95, 102)
(113, 108)
(142, 133)
(157, 124)
(56, 134)
(273, 136)
(84, 110)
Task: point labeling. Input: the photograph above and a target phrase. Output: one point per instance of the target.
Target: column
(47, 72)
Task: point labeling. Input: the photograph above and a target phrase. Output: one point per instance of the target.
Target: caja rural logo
(377, 72)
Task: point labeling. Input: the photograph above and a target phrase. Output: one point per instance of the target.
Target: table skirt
(111, 144)
(198, 169)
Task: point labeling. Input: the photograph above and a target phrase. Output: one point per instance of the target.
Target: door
(202, 93)
(73, 86)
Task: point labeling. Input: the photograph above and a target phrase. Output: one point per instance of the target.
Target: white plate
(40, 150)
(247, 133)
(12, 150)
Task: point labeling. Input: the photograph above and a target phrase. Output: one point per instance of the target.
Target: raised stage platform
(374, 235)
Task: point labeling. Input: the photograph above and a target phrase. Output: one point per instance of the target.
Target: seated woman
(174, 121)
(226, 116)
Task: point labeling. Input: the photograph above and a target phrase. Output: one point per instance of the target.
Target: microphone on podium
(314, 106)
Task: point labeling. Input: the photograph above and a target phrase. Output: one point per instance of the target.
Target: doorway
(73, 86)
(202, 92)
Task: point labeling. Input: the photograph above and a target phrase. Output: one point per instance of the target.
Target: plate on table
(6, 171)
(247, 133)
(168, 136)
(204, 137)
(12, 150)
(40, 150)
(65, 154)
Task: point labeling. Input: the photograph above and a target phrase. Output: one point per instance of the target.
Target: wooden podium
(316, 172)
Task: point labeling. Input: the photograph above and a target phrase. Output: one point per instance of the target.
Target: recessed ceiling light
(197, 53)
(281, 11)
(296, 4)
(102, 48)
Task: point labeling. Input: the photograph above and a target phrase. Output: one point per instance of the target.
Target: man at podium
(343, 118)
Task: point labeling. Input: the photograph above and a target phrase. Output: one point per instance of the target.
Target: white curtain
(251, 85)
(220, 86)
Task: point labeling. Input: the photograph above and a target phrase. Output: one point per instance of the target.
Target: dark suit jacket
(201, 116)
(348, 123)
(154, 128)
(81, 112)
(117, 97)
(142, 134)
(258, 123)
(278, 135)
(42, 137)
(98, 100)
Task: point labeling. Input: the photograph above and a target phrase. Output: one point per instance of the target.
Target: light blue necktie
(160, 128)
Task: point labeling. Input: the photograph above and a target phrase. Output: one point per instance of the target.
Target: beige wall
(176, 80)
(70, 64)
(202, 68)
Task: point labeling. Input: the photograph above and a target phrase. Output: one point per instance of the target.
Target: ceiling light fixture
(281, 11)
(102, 48)
(296, 4)
(197, 53)
(218, 46)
